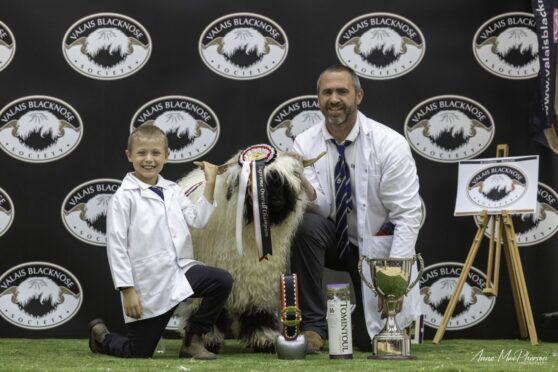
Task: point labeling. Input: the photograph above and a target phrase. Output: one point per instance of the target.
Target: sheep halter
(253, 160)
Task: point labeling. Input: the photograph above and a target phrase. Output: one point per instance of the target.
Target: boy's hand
(210, 171)
(132, 303)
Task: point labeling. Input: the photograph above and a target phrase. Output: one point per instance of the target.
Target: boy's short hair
(147, 130)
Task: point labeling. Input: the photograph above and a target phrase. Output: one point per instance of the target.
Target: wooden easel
(503, 225)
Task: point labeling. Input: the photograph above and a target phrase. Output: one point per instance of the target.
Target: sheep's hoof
(269, 349)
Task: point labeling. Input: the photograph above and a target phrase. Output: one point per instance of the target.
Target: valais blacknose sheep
(253, 304)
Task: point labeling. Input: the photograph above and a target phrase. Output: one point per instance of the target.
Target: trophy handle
(370, 285)
(418, 258)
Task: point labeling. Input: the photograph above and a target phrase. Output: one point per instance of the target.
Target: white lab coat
(149, 245)
(386, 190)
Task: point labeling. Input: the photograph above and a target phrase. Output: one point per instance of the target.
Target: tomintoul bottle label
(339, 321)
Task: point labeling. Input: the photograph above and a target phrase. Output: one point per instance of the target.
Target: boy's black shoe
(97, 332)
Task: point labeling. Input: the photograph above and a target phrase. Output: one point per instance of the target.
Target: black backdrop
(37, 190)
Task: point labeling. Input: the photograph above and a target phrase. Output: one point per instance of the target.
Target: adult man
(343, 220)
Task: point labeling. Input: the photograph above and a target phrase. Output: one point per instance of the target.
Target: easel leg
(461, 281)
(515, 292)
(521, 287)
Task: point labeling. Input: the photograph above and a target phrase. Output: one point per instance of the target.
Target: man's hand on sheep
(308, 188)
(132, 303)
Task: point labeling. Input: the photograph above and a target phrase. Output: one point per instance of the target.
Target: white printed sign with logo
(496, 185)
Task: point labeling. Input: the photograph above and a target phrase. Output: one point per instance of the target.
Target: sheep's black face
(281, 199)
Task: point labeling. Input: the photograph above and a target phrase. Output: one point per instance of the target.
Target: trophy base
(392, 357)
(391, 346)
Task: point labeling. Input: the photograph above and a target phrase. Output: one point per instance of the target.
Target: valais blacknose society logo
(380, 45)
(107, 46)
(39, 129)
(292, 118)
(437, 285)
(192, 128)
(7, 46)
(7, 212)
(84, 210)
(243, 46)
(39, 295)
(507, 46)
(449, 128)
(534, 228)
(496, 186)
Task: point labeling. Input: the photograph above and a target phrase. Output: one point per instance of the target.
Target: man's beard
(339, 120)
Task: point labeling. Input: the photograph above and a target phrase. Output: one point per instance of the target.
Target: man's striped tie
(343, 199)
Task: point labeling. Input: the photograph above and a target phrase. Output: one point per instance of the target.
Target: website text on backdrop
(368, 178)
(150, 254)
(480, 175)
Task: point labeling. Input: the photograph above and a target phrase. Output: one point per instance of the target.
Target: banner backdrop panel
(76, 76)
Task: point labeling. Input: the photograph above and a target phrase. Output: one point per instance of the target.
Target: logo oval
(449, 128)
(496, 186)
(39, 129)
(507, 46)
(380, 46)
(191, 126)
(39, 295)
(243, 46)
(291, 118)
(534, 228)
(7, 46)
(7, 211)
(106, 46)
(437, 285)
(84, 210)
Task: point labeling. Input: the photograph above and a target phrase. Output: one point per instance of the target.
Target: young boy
(151, 255)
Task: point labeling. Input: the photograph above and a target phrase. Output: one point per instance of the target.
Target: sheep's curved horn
(78, 208)
(202, 124)
(11, 291)
(220, 168)
(217, 41)
(11, 124)
(62, 292)
(132, 42)
(4, 44)
(309, 162)
(81, 41)
(65, 125)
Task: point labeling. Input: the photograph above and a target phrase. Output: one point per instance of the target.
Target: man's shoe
(314, 341)
(97, 332)
(192, 347)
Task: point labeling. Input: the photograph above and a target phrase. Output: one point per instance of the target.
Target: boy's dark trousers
(210, 283)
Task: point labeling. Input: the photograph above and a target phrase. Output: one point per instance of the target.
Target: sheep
(254, 301)
(179, 124)
(380, 46)
(243, 46)
(107, 47)
(517, 46)
(93, 212)
(438, 296)
(38, 296)
(41, 125)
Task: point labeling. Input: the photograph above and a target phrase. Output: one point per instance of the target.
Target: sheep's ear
(309, 162)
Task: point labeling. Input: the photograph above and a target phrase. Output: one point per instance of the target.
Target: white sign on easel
(496, 185)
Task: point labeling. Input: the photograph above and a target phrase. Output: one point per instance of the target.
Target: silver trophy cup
(390, 279)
